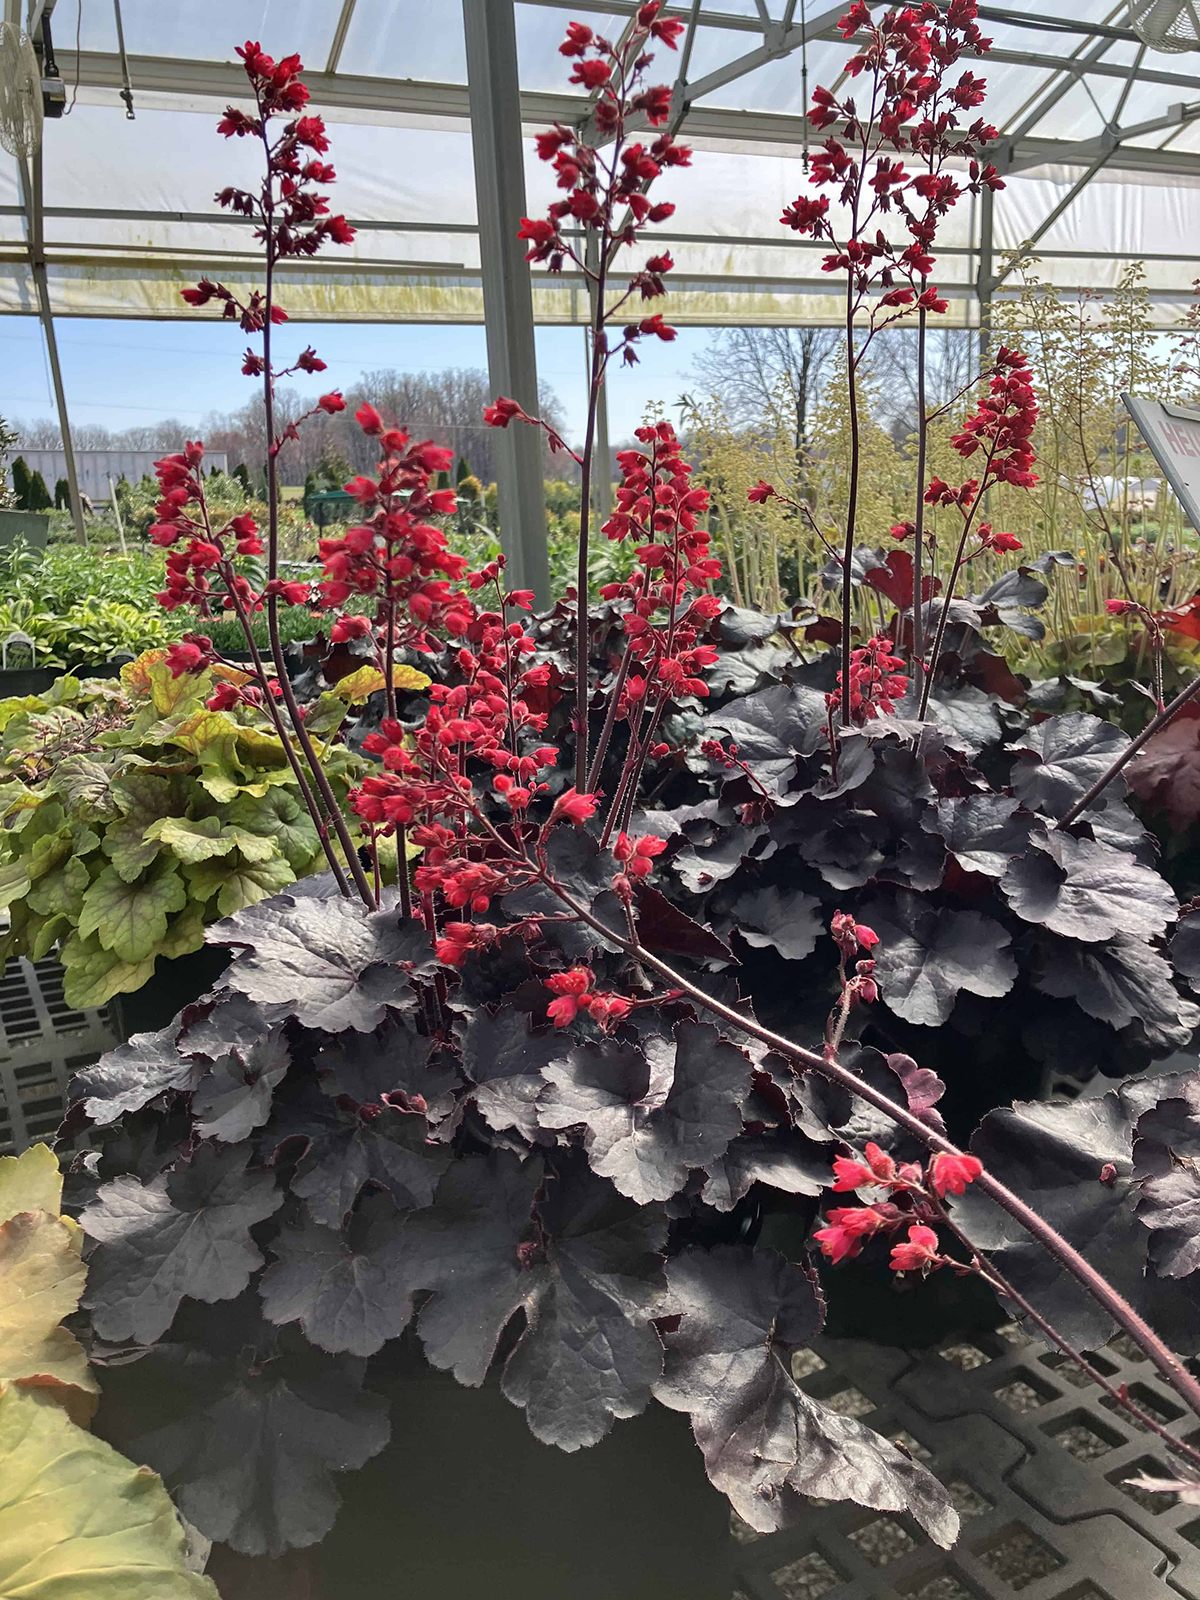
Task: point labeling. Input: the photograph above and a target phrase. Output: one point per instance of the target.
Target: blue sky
(120, 373)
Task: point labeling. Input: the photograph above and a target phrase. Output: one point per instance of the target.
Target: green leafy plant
(76, 1518)
(133, 815)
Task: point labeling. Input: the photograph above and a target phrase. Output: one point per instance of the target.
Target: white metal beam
(495, 107)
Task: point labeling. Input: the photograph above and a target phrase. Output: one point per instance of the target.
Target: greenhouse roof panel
(130, 206)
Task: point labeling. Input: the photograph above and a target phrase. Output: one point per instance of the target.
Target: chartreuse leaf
(238, 883)
(42, 935)
(357, 686)
(127, 847)
(15, 706)
(135, 675)
(41, 1279)
(94, 974)
(191, 841)
(131, 918)
(77, 1519)
(31, 1181)
(278, 816)
(14, 882)
(61, 892)
(86, 786)
(184, 934)
(170, 693)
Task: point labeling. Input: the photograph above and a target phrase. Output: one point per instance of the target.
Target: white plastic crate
(44, 1041)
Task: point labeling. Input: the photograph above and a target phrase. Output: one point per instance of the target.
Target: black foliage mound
(346, 1143)
(282, 1189)
(1011, 951)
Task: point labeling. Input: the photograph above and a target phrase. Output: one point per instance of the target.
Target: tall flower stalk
(906, 105)
(607, 176)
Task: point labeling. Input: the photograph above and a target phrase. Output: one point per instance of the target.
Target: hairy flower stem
(951, 582)
(1155, 725)
(1168, 1365)
(918, 601)
(315, 811)
(289, 699)
(582, 685)
(851, 505)
(593, 777)
(983, 1267)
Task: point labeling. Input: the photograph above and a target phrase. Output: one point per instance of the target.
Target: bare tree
(444, 406)
(950, 365)
(759, 373)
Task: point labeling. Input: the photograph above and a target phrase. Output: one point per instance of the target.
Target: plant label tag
(1173, 434)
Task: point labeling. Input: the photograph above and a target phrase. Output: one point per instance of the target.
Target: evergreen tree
(39, 495)
(62, 495)
(443, 480)
(464, 470)
(242, 473)
(21, 483)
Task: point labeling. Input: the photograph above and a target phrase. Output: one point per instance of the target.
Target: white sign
(1173, 434)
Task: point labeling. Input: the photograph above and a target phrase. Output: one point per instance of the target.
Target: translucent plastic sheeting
(131, 217)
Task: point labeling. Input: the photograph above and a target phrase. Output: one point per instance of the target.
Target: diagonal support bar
(495, 109)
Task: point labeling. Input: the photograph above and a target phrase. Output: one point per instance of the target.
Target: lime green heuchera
(133, 815)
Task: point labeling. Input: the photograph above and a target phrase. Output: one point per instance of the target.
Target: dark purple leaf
(1185, 948)
(766, 1444)
(334, 963)
(250, 1462)
(1120, 980)
(1170, 1208)
(983, 832)
(771, 729)
(784, 1161)
(385, 1145)
(1073, 1164)
(234, 1098)
(505, 1059)
(394, 1059)
(650, 1114)
(786, 920)
(927, 955)
(586, 872)
(468, 1248)
(701, 869)
(589, 1353)
(134, 1074)
(185, 1233)
(345, 1287)
(1060, 759)
(1084, 890)
(667, 931)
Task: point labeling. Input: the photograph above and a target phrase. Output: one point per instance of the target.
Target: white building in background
(95, 467)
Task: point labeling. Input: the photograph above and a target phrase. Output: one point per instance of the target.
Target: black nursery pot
(174, 984)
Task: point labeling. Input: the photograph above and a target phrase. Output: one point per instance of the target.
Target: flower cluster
(914, 1202)
(905, 60)
(397, 557)
(294, 216)
(668, 591)
(876, 680)
(1002, 425)
(606, 184)
(574, 994)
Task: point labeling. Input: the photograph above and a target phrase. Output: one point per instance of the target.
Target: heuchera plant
(527, 1103)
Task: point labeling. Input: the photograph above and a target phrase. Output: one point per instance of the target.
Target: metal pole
(985, 279)
(495, 106)
(601, 496)
(32, 185)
